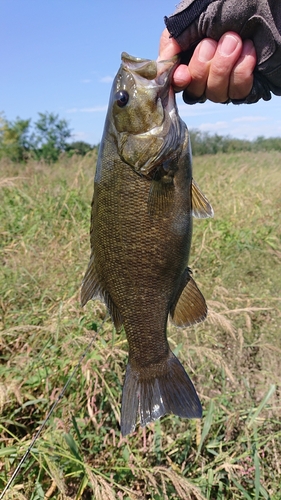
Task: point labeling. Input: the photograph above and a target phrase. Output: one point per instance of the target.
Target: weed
(233, 357)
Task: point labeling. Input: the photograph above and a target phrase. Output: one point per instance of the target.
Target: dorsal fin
(201, 207)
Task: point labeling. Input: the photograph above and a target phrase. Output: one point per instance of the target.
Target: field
(233, 358)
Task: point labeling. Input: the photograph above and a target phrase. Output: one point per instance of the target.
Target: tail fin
(170, 392)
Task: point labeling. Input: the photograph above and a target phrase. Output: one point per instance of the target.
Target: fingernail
(228, 45)
(248, 48)
(207, 50)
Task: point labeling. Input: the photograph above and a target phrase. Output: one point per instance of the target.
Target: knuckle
(239, 89)
(216, 94)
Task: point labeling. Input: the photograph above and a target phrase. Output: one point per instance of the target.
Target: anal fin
(189, 306)
(201, 207)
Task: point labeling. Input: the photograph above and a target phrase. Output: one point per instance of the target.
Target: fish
(141, 228)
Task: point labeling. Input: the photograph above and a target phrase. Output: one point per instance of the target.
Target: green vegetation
(46, 141)
(233, 357)
(14, 141)
(205, 143)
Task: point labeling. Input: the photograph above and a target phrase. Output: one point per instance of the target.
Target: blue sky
(61, 56)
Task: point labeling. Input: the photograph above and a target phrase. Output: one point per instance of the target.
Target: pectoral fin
(93, 289)
(201, 207)
(189, 306)
(160, 197)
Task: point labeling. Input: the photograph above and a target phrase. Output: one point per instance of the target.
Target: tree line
(205, 143)
(47, 139)
(50, 136)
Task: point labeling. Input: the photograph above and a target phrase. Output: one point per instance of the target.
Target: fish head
(143, 112)
(140, 94)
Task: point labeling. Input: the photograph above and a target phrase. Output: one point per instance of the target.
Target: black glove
(258, 20)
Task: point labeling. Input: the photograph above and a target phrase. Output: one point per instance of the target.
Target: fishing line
(51, 411)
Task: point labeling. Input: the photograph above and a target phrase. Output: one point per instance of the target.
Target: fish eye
(121, 98)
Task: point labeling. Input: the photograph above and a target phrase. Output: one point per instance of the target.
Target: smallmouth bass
(141, 228)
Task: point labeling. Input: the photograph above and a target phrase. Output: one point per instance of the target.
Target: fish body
(141, 228)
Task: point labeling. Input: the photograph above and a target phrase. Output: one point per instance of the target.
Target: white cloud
(213, 127)
(80, 136)
(244, 131)
(186, 110)
(107, 79)
(72, 110)
(250, 119)
(86, 80)
(96, 109)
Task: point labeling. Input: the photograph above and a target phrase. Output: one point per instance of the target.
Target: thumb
(168, 46)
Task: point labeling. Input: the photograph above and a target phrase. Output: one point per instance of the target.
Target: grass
(233, 357)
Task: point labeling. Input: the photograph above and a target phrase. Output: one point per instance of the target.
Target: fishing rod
(51, 411)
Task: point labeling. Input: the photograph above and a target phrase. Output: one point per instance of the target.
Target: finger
(199, 67)
(181, 78)
(241, 78)
(168, 46)
(228, 51)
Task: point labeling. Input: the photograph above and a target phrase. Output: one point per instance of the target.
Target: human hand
(218, 70)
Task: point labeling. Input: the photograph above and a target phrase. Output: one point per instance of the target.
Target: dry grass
(233, 358)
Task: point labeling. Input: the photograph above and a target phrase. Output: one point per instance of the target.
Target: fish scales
(141, 228)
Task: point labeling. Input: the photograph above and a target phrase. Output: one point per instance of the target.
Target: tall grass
(233, 357)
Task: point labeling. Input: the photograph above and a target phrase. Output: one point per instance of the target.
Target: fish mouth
(160, 74)
(146, 68)
(166, 69)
